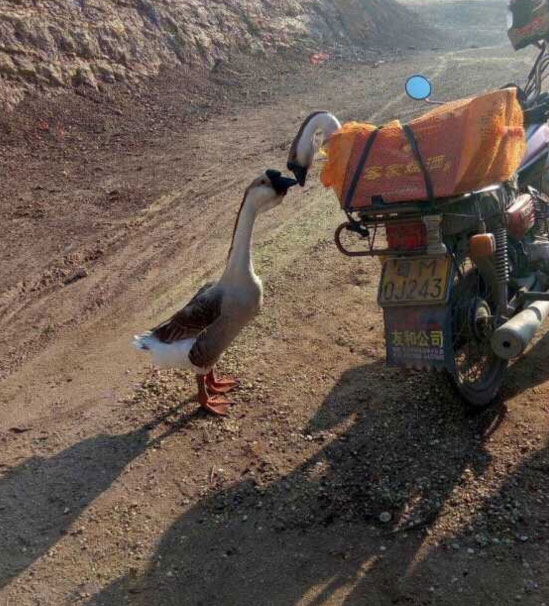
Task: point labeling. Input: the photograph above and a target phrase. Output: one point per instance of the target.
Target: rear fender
(419, 337)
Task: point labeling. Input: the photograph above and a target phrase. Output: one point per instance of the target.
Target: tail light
(406, 236)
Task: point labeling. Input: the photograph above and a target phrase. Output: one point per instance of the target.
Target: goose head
(268, 190)
(302, 151)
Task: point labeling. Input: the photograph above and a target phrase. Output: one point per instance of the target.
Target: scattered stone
(19, 430)
(75, 276)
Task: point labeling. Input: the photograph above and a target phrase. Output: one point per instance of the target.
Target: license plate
(421, 280)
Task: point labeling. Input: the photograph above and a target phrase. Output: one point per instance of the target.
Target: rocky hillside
(59, 43)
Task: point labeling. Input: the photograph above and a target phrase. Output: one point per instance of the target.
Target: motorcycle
(465, 281)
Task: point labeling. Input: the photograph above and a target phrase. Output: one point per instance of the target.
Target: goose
(195, 337)
(302, 151)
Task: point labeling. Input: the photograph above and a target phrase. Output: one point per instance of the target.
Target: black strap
(364, 157)
(415, 149)
(360, 166)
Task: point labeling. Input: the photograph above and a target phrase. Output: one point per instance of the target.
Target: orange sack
(464, 145)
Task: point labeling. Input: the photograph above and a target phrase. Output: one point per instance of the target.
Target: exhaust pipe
(511, 339)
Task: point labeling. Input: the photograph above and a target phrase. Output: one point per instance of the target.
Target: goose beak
(281, 184)
(299, 172)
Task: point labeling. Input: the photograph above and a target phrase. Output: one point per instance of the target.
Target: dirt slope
(59, 43)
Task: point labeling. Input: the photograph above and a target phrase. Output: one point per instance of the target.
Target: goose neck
(240, 256)
(323, 122)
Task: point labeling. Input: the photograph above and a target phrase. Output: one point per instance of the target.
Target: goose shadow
(42, 497)
(315, 535)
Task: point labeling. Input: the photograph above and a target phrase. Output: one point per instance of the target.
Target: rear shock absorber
(503, 271)
(540, 227)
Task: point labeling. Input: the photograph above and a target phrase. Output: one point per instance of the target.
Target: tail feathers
(143, 342)
(167, 355)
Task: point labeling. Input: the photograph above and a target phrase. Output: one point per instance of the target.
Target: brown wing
(203, 309)
(218, 336)
(214, 340)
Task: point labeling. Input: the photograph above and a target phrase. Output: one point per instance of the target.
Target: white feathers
(168, 355)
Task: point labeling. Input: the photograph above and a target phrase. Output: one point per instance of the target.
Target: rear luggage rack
(370, 232)
(369, 225)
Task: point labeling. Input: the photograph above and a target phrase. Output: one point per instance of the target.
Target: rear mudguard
(419, 337)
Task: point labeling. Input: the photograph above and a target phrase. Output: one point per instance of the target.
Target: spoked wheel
(478, 372)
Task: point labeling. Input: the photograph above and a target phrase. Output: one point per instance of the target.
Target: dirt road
(115, 490)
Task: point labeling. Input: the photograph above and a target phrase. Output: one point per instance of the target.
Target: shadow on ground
(314, 536)
(42, 497)
(530, 370)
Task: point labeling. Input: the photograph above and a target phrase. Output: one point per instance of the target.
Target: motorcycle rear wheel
(478, 373)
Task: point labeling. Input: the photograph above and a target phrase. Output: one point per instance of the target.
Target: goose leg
(220, 386)
(215, 405)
